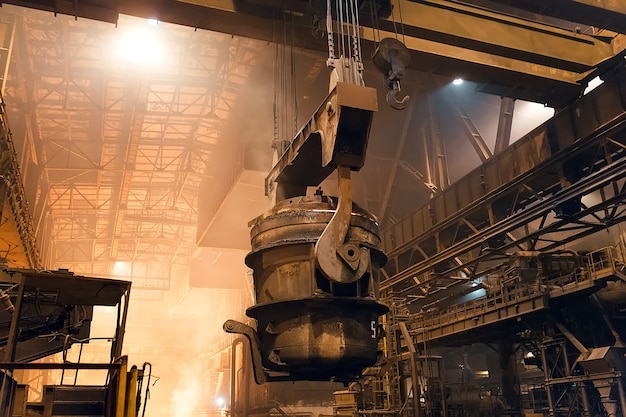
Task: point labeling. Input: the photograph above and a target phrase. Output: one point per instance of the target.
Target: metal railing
(512, 290)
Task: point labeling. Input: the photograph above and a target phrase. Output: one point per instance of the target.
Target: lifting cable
(393, 17)
(285, 109)
(345, 54)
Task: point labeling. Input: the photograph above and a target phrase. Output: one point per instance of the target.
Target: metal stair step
(78, 408)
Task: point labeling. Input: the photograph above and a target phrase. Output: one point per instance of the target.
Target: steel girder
(507, 55)
(582, 181)
(24, 253)
(601, 14)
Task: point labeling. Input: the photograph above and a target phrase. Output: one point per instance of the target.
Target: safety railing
(607, 261)
(492, 301)
(514, 290)
(121, 383)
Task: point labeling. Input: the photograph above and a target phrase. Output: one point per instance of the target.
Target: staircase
(65, 400)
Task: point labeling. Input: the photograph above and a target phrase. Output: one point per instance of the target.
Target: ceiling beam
(601, 14)
(507, 55)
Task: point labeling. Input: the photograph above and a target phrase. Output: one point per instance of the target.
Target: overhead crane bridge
(561, 182)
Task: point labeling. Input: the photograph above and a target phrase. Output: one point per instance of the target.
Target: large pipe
(234, 392)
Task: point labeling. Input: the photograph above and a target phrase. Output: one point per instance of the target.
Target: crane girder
(507, 55)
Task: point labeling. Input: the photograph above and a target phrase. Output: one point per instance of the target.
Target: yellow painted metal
(479, 29)
(506, 55)
(474, 34)
(618, 6)
(120, 401)
(458, 53)
(131, 392)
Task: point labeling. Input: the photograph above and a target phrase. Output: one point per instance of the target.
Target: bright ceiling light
(591, 85)
(457, 81)
(139, 46)
(122, 269)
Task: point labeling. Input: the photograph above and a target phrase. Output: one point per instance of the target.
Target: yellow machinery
(43, 313)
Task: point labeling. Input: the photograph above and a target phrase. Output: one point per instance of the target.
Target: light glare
(595, 82)
(122, 269)
(457, 81)
(139, 46)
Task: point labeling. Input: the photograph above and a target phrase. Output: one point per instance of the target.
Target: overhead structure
(527, 59)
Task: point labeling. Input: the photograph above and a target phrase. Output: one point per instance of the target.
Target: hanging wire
(376, 25)
(275, 76)
(353, 32)
(341, 28)
(359, 50)
(329, 30)
(283, 78)
(358, 31)
(393, 19)
(401, 21)
(294, 86)
(285, 106)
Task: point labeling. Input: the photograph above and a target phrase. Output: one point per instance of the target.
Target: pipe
(233, 374)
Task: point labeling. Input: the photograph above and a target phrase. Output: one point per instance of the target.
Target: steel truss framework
(561, 183)
(569, 392)
(123, 154)
(17, 247)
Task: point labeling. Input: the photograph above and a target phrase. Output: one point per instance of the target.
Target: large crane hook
(391, 58)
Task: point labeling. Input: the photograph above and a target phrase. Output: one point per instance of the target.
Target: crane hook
(391, 58)
(392, 100)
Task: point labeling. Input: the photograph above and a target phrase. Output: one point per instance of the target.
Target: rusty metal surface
(319, 338)
(310, 326)
(302, 220)
(337, 259)
(336, 134)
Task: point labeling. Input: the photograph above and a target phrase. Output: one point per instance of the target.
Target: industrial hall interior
(313, 208)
